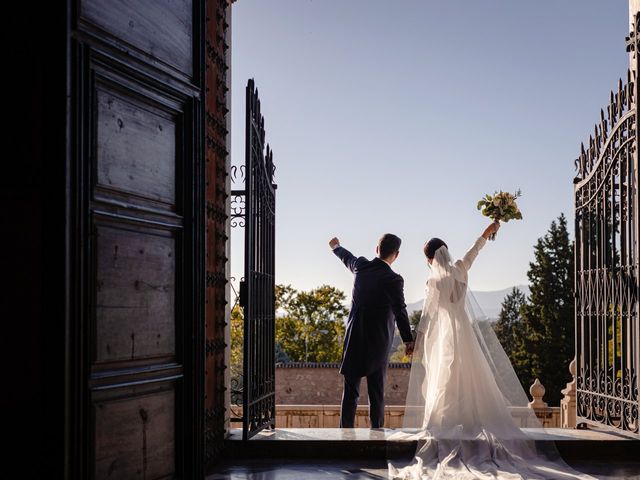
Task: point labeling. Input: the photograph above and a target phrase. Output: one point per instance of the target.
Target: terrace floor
(368, 469)
(360, 453)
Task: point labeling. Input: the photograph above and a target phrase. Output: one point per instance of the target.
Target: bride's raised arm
(472, 253)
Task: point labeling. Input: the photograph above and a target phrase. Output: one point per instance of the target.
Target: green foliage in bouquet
(501, 206)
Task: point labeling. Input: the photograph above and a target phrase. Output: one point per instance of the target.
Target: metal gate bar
(257, 290)
(607, 259)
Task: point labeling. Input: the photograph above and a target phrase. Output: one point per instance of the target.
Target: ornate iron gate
(607, 258)
(257, 290)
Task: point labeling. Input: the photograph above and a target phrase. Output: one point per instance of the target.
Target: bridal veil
(465, 405)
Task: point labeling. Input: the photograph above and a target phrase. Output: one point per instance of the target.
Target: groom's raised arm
(350, 261)
(399, 308)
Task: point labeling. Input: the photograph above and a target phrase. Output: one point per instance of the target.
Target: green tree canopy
(237, 335)
(508, 325)
(310, 325)
(538, 334)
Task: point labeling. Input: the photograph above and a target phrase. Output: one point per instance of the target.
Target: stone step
(325, 443)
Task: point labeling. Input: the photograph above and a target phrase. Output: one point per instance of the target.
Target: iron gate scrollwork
(607, 259)
(254, 209)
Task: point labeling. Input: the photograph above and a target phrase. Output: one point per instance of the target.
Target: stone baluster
(537, 392)
(539, 406)
(568, 403)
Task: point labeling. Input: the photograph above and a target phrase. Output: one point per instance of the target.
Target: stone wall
(308, 395)
(321, 384)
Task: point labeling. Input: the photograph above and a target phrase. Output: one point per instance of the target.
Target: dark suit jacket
(377, 301)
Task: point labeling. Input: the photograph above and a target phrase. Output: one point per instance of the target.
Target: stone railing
(328, 415)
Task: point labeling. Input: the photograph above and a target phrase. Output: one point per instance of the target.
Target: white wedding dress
(465, 405)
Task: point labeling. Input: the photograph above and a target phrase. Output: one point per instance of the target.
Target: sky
(398, 116)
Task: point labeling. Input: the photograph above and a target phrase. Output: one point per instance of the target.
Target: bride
(465, 405)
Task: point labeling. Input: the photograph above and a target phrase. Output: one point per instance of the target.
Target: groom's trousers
(351, 393)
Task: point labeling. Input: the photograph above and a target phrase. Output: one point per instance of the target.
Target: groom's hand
(408, 348)
(334, 243)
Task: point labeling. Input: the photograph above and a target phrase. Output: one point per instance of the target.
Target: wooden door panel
(160, 29)
(136, 147)
(141, 139)
(135, 294)
(137, 208)
(134, 435)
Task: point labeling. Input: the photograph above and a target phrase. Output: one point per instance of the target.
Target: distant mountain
(490, 302)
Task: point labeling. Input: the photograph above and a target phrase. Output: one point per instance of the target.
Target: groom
(378, 300)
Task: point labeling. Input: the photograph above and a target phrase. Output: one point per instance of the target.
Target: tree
(414, 319)
(281, 355)
(508, 326)
(545, 346)
(237, 336)
(310, 325)
(399, 355)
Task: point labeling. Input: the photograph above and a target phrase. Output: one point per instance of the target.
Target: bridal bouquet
(501, 207)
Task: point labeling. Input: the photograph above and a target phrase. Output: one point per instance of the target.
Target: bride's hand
(491, 229)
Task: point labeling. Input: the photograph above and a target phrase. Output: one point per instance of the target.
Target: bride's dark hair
(431, 246)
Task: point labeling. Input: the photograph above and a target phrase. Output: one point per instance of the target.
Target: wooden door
(137, 190)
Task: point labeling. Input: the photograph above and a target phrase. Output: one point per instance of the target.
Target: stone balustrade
(328, 416)
(308, 396)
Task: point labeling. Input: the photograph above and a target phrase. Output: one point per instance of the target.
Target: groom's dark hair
(432, 246)
(388, 245)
